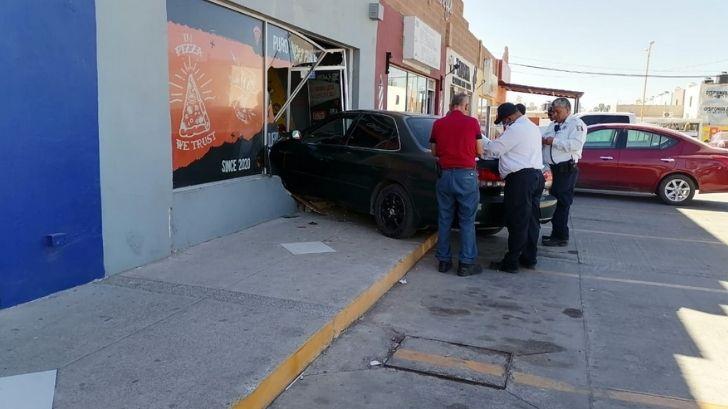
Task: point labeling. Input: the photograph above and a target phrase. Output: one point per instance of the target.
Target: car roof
(392, 113)
(641, 127)
(580, 114)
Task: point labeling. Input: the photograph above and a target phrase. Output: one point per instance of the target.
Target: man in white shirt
(562, 151)
(519, 151)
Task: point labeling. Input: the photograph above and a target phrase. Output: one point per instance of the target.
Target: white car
(593, 118)
(719, 140)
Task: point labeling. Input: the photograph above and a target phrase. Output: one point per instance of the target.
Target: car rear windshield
(421, 129)
(605, 119)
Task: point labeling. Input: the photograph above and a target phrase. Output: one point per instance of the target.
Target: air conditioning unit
(376, 11)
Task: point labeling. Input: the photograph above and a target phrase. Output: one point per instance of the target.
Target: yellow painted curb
(278, 380)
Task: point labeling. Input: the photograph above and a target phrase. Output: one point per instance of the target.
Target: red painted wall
(390, 38)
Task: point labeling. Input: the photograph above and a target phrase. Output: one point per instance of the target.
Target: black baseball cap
(505, 110)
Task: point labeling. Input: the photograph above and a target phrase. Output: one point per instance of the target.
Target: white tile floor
(313, 247)
(28, 391)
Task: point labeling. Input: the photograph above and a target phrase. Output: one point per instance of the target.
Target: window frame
(338, 117)
(615, 140)
(658, 147)
(396, 129)
(426, 147)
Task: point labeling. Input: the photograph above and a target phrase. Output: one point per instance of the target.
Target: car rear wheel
(394, 212)
(491, 231)
(676, 190)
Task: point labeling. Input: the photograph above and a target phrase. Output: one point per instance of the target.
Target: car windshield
(720, 136)
(421, 129)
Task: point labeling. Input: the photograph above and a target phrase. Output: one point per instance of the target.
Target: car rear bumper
(491, 212)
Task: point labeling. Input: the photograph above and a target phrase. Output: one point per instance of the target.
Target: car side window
(375, 132)
(648, 140)
(601, 139)
(667, 142)
(333, 131)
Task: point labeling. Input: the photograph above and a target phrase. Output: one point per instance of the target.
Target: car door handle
(668, 160)
(606, 158)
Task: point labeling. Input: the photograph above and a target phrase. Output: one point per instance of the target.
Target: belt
(469, 168)
(522, 171)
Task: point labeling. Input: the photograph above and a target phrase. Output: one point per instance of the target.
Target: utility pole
(644, 88)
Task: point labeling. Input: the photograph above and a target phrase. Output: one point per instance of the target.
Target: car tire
(394, 212)
(676, 190)
(491, 231)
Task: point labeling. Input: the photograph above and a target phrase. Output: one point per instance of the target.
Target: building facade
(153, 122)
(425, 54)
(194, 91)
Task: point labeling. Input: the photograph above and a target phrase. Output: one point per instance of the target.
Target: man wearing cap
(520, 165)
(562, 151)
(455, 141)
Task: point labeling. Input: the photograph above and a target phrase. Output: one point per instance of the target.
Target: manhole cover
(452, 361)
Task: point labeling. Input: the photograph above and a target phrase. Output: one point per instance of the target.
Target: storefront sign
(215, 97)
(462, 75)
(714, 104)
(422, 44)
(291, 48)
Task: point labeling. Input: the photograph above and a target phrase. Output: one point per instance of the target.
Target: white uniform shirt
(568, 142)
(518, 148)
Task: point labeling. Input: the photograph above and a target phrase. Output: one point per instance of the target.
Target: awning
(529, 89)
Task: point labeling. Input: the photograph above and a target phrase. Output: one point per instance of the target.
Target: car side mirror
(296, 135)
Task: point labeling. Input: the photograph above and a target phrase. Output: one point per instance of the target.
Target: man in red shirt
(455, 141)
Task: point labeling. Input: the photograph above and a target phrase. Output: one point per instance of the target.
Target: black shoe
(527, 264)
(554, 242)
(465, 270)
(444, 266)
(498, 266)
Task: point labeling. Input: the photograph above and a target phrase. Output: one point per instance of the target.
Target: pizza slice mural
(195, 120)
(216, 101)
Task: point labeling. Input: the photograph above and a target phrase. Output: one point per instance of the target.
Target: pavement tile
(207, 356)
(54, 331)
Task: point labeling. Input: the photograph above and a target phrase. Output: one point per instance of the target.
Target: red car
(650, 159)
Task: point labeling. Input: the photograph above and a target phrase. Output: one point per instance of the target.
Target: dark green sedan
(379, 163)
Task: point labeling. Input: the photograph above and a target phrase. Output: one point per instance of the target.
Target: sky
(691, 38)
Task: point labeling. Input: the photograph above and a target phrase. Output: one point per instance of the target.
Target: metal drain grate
(452, 361)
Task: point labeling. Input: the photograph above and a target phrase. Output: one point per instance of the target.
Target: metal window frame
(266, 20)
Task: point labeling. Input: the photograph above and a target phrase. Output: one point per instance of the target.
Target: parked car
(719, 140)
(646, 158)
(379, 163)
(594, 118)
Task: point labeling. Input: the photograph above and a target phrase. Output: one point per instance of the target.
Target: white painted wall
(134, 132)
(692, 101)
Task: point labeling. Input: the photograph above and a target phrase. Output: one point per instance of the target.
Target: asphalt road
(633, 314)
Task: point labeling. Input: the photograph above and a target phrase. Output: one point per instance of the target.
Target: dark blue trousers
(522, 203)
(563, 190)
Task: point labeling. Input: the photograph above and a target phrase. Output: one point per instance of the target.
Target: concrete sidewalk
(235, 318)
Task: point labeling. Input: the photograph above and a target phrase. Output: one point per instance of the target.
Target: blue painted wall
(49, 151)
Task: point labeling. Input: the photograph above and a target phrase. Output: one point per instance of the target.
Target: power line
(677, 69)
(539, 60)
(610, 74)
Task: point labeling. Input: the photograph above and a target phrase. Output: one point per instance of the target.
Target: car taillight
(488, 178)
(549, 178)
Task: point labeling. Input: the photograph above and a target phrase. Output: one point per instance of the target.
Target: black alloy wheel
(394, 212)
